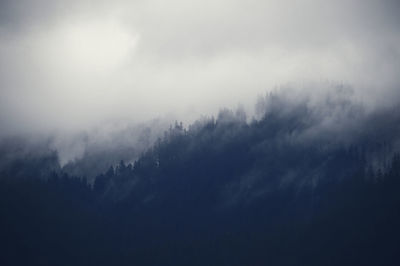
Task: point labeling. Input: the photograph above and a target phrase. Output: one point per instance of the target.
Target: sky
(73, 65)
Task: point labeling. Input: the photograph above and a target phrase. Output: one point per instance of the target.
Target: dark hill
(305, 184)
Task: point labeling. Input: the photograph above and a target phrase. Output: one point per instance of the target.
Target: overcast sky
(75, 64)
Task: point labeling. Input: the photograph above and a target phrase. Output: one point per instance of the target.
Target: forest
(300, 183)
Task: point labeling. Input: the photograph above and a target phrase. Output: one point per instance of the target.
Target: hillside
(306, 183)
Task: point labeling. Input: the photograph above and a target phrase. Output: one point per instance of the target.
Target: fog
(71, 66)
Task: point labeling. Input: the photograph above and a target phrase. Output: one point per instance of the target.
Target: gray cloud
(71, 65)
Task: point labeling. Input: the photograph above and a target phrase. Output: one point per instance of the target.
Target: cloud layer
(70, 65)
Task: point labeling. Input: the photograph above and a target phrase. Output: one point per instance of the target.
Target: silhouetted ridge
(306, 183)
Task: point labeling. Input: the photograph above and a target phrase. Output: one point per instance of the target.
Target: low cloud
(71, 66)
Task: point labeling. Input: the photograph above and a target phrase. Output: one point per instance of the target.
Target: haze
(73, 65)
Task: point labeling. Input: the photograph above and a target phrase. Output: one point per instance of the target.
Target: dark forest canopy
(304, 182)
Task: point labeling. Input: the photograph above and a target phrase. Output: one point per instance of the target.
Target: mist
(73, 66)
(223, 132)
